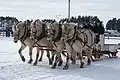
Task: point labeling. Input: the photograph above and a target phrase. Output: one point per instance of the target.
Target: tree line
(6, 24)
(113, 24)
(91, 22)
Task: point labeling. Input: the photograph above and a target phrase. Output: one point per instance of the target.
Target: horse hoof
(66, 67)
(30, 61)
(88, 63)
(82, 65)
(23, 59)
(35, 63)
(60, 63)
(53, 67)
(94, 60)
(40, 59)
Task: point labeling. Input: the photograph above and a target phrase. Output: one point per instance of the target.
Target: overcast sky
(33, 9)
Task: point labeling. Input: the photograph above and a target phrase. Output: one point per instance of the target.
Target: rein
(72, 40)
(85, 43)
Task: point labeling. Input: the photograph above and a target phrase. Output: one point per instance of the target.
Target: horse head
(36, 29)
(50, 31)
(69, 30)
(16, 31)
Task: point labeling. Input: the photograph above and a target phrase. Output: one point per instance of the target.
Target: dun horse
(21, 33)
(39, 36)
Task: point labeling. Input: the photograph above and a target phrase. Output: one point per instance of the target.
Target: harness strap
(74, 36)
(23, 38)
(72, 40)
(85, 42)
(43, 34)
(59, 34)
(41, 46)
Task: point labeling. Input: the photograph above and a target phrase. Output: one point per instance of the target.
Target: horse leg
(81, 59)
(20, 50)
(30, 54)
(89, 55)
(37, 55)
(53, 54)
(69, 50)
(96, 56)
(60, 61)
(73, 57)
(67, 62)
(56, 60)
(42, 52)
(48, 55)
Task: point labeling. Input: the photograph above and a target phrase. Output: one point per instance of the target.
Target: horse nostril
(15, 41)
(31, 38)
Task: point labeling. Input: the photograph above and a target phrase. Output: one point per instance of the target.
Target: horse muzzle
(48, 39)
(32, 38)
(15, 41)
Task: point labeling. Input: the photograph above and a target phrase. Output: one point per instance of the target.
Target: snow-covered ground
(12, 68)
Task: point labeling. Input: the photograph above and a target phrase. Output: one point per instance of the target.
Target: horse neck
(91, 34)
(24, 34)
(71, 31)
(58, 33)
(42, 33)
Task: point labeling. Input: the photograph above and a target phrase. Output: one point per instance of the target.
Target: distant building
(112, 33)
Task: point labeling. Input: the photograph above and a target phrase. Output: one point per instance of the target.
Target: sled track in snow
(97, 71)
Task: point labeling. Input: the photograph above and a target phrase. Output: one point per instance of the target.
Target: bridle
(50, 32)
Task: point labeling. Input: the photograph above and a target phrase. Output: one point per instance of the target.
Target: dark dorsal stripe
(59, 34)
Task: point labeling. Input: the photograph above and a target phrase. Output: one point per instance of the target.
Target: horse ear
(20, 25)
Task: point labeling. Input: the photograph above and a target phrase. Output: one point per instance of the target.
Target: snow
(12, 68)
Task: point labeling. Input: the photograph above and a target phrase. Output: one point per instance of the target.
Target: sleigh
(110, 50)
